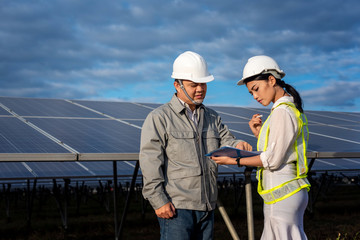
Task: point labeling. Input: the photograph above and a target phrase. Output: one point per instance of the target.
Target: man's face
(196, 91)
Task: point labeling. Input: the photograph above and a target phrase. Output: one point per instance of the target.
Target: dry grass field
(336, 215)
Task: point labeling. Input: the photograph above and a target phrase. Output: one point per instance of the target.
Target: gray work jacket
(172, 156)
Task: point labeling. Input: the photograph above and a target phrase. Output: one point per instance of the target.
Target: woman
(282, 165)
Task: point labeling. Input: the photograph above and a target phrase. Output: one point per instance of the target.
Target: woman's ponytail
(292, 91)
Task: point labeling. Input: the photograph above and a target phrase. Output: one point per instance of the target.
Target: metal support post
(227, 221)
(132, 185)
(241, 187)
(30, 200)
(57, 195)
(79, 192)
(115, 194)
(118, 229)
(7, 193)
(249, 205)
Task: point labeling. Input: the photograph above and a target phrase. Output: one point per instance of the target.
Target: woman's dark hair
(288, 88)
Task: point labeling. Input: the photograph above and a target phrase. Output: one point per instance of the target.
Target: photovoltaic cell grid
(115, 127)
(93, 136)
(46, 108)
(14, 170)
(122, 110)
(17, 137)
(3, 112)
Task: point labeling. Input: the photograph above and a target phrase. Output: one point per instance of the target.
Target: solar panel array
(31, 125)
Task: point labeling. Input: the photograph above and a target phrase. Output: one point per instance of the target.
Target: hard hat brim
(277, 74)
(204, 79)
(189, 78)
(241, 82)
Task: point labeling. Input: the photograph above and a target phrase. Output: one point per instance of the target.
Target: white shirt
(284, 219)
(193, 116)
(280, 150)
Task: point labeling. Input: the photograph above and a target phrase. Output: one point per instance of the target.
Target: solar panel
(93, 136)
(139, 122)
(14, 170)
(17, 137)
(340, 135)
(3, 112)
(151, 105)
(243, 114)
(57, 169)
(321, 119)
(336, 117)
(101, 168)
(345, 164)
(223, 169)
(124, 168)
(45, 107)
(115, 127)
(123, 110)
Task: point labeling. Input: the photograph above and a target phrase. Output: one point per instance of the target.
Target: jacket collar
(178, 106)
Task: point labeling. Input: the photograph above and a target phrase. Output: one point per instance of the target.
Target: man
(179, 180)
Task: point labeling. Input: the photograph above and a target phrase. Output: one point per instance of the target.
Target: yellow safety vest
(293, 186)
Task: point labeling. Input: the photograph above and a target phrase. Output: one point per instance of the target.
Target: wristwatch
(238, 161)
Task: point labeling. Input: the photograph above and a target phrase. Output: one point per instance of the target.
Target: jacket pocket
(183, 135)
(185, 173)
(181, 151)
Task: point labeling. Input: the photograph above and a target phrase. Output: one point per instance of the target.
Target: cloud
(334, 93)
(89, 49)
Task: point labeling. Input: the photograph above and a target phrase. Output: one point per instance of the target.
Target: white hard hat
(258, 65)
(191, 66)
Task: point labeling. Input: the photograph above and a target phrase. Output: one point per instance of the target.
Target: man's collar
(178, 104)
(187, 105)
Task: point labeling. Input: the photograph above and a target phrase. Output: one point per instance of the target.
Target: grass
(336, 216)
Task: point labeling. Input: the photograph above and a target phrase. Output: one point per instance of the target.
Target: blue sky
(124, 50)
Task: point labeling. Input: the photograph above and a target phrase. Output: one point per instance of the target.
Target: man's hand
(244, 146)
(166, 211)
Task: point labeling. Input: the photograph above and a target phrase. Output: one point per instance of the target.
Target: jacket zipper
(198, 150)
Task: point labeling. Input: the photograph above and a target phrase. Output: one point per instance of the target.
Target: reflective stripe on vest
(293, 186)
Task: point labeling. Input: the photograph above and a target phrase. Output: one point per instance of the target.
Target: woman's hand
(255, 124)
(224, 160)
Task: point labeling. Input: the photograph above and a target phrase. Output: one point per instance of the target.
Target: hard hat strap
(187, 95)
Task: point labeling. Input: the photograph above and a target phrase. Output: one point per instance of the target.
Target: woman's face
(263, 91)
